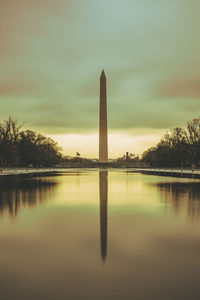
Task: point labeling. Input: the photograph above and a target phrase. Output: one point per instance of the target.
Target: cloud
(52, 53)
(17, 88)
(188, 88)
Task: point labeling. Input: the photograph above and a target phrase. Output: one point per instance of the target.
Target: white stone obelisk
(103, 131)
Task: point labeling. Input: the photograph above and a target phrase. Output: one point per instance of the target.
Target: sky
(52, 53)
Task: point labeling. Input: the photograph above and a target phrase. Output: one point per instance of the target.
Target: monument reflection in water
(103, 196)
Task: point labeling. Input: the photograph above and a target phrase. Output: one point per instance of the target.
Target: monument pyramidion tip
(103, 73)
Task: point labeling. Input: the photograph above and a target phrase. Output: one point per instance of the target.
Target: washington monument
(103, 131)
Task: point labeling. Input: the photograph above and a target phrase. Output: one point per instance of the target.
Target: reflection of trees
(103, 195)
(16, 192)
(182, 195)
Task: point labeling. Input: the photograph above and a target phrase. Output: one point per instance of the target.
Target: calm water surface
(99, 235)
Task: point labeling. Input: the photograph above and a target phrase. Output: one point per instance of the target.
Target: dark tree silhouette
(24, 148)
(179, 148)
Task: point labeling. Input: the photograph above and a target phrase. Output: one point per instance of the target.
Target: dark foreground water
(100, 235)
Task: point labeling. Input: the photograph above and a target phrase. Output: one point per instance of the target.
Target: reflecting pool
(99, 234)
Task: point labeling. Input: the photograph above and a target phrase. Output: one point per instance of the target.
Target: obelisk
(103, 132)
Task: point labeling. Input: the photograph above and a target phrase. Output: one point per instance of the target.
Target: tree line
(180, 147)
(23, 148)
